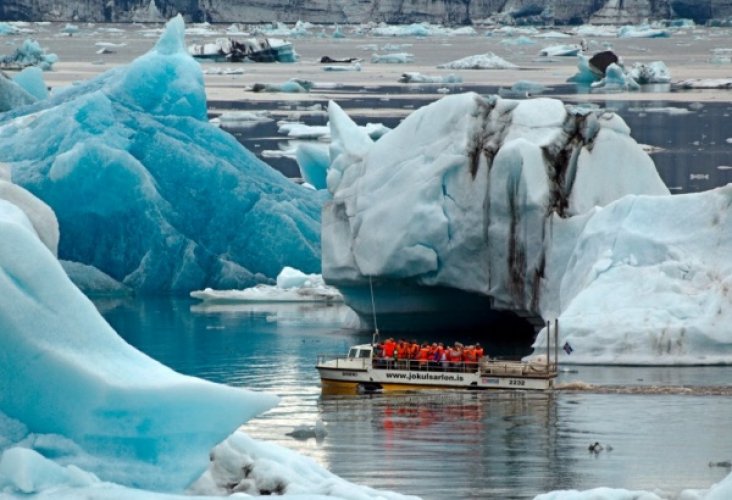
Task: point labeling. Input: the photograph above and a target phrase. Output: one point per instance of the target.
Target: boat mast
(375, 338)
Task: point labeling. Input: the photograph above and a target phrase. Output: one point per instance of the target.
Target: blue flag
(567, 348)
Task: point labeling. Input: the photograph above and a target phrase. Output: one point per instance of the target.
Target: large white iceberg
(647, 282)
(545, 210)
(458, 195)
(149, 192)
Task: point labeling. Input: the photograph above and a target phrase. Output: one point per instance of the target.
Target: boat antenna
(373, 309)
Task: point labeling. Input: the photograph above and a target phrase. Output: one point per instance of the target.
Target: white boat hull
(352, 376)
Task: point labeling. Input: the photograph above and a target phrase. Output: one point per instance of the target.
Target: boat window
(364, 353)
(352, 353)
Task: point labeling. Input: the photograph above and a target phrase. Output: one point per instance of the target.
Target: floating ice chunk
(587, 30)
(552, 34)
(292, 86)
(514, 30)
(522, 89)
(481, 61)
(602, 493)
(669, 110)
(8, 29)
(293, 278)
(70, 29)
(292, 286)
(704, 83)
(304, 431)
(244, 118)
(561, 50)
(302, 131)
(414, 77)
(341, 67)
(30, 53)
(662, 293)
(644, 31)
(199, 29)
(110, 45)
(338, 33)
(416, 29)
(615, 80)
(521, 40)
(393, 58)
(652, 72)
(31, 80)
(12, 95)
(313, 160)
(241, 464)
(721, 56)
(222, 71)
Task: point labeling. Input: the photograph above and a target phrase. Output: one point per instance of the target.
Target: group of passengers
(412, 355)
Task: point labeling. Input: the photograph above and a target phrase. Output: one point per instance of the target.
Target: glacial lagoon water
(665, 425)
(690, 142)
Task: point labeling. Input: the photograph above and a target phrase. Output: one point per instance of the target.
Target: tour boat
(361, 371)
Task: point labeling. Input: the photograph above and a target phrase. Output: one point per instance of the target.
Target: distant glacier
(390, 11)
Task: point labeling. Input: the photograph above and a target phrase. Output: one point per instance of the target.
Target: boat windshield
(355, 352)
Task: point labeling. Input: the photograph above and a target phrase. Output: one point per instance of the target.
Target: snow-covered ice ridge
(546, 209)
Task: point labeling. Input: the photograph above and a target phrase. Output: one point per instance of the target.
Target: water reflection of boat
(362, 371)
(247, 49)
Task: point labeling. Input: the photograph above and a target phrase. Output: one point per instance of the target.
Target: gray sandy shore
(687, 53)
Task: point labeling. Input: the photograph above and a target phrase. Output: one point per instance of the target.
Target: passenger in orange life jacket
(455, 355)
(389, 347)
(469, 356)
(423, 356)
(478, 351)
(442, 352)
(414, 349)
(402, 350)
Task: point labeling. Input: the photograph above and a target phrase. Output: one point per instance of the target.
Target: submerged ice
(150, 193)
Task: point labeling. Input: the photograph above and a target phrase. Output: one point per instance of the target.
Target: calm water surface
(449, 444)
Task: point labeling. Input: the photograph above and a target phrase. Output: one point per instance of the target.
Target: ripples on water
(665, 425)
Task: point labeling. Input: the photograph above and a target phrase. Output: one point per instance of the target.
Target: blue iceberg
(86, 396)
(150, 193)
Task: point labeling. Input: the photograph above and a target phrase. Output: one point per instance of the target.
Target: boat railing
(516, 368)
(343, 361)
(424, 365)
